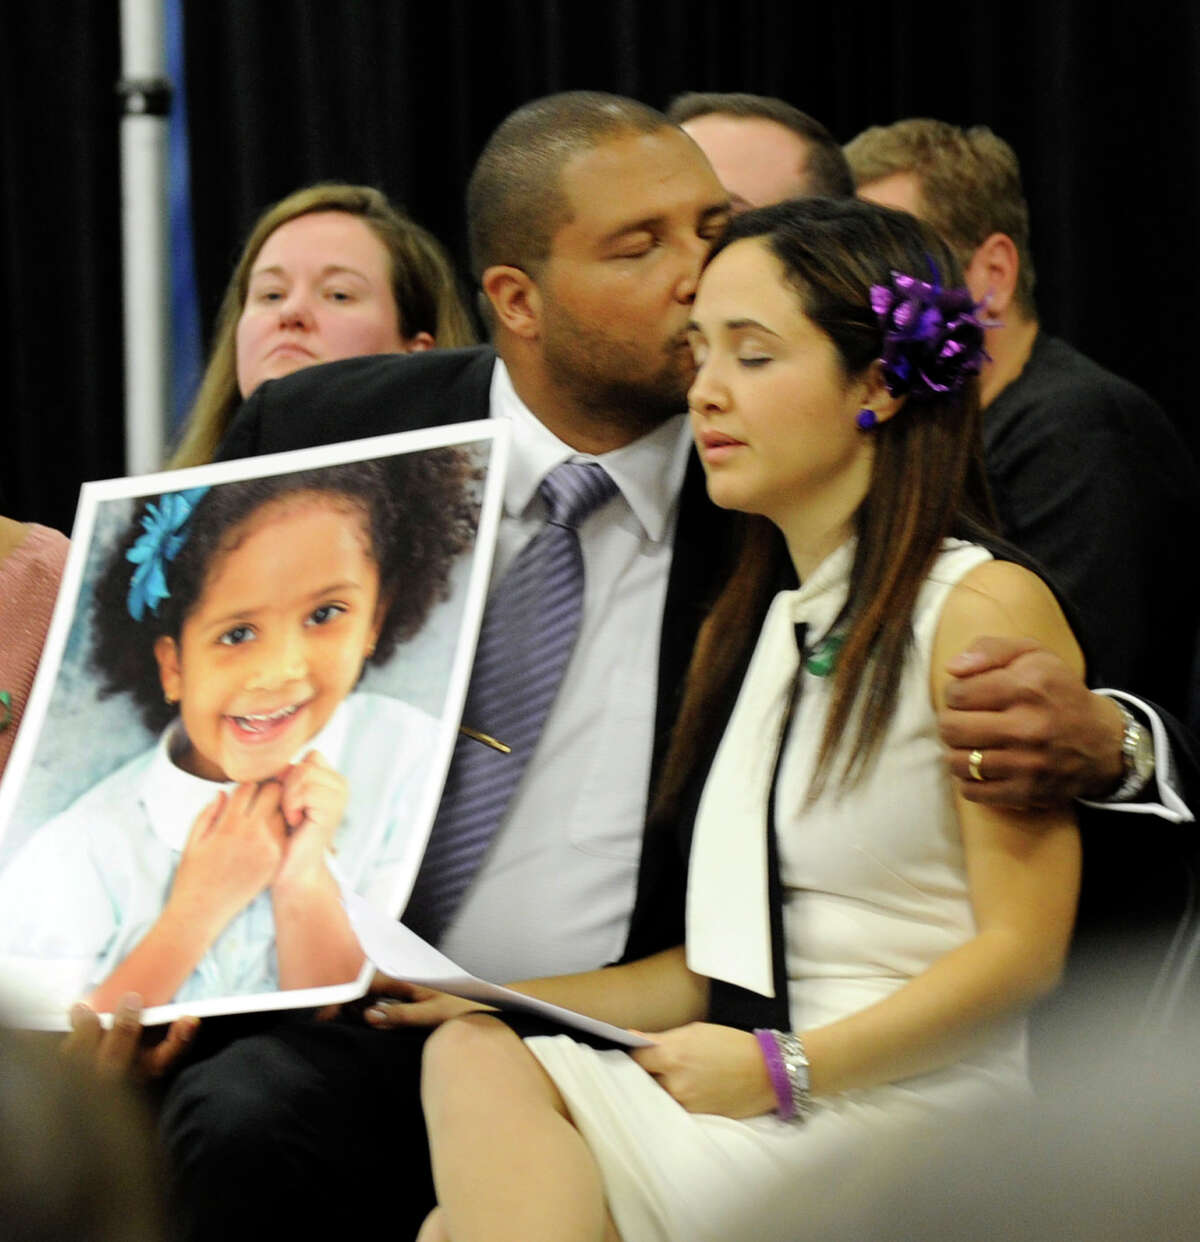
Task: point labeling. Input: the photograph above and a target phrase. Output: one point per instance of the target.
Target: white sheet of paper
(401, 953)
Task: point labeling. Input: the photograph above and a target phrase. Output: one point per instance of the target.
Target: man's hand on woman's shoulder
(1023, 730)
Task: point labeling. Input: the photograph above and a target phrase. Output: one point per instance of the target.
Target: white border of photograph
(469, 593)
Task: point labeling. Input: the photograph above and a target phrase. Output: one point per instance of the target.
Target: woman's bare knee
(474, 1039)
(475, 1053)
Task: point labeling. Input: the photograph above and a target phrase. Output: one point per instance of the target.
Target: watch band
(1137, 755)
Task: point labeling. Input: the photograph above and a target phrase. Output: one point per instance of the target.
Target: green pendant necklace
(822, 658)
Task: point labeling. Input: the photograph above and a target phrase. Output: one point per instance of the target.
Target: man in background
(1088, 474)
(763, 150)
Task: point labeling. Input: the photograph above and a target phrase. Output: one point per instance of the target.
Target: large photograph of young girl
(248, 702)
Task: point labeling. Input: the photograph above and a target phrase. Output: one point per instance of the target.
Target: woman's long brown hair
(927, 482)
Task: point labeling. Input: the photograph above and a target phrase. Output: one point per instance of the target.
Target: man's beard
(616, 382)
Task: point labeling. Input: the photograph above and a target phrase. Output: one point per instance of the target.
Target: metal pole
(146, 94)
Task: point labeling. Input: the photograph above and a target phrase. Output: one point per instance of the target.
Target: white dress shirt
(556, 888)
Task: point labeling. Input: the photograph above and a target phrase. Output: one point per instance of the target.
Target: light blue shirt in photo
(90, 883)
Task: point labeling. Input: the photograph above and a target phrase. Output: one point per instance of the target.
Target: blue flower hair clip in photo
(165, 532)
(932, 336)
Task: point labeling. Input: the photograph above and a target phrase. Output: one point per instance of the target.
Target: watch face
(1143, 752)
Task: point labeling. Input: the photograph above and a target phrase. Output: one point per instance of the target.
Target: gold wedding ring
(974, 759)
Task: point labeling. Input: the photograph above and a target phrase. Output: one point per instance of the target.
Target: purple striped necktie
(528, 631)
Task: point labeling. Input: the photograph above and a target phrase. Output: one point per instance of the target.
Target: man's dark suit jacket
(375, 396)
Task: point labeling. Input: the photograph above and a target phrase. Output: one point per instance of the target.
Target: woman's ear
(166, 652)
(515, 299)
(873, 394)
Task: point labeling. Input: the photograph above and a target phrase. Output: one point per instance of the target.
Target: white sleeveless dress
(875, 891)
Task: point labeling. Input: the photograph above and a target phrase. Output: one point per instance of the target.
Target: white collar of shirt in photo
(649, 472)
(728, 908)
(173, 798)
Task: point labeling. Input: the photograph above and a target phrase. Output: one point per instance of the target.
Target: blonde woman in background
(331, 271)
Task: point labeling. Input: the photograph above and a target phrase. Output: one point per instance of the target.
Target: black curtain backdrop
(60, 259)
(1100, 100)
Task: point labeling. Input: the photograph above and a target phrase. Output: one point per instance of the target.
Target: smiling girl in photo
(239, 618)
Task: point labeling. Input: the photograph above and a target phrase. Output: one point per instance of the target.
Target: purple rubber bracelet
(777, 1072)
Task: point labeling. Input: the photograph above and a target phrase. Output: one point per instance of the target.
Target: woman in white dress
(835, 398)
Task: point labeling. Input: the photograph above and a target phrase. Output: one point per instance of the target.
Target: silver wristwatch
(1137, 755)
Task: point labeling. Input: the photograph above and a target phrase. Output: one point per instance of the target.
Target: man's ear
(992, 273)
(515, 299)
(166, 652)
(874, 396)
(419, 342)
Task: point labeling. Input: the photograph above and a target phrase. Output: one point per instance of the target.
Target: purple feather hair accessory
(932, 337)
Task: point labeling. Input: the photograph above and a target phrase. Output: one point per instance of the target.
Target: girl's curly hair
(419, 510)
